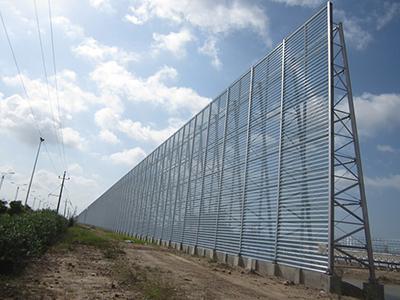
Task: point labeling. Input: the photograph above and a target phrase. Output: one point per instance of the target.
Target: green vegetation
(25, 234)
(108, 242)
(78, 235)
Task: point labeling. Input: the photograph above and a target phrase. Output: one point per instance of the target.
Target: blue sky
(130, 73)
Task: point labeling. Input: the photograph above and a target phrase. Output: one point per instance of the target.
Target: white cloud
(391, 11)
(72, 138)
(106, 118)
(308, 3)
(102, 5)
(209, 15)
(75, 168)
(139, 132)
(354, 31)
(71, 30)
(96, 52)
(386, 148)
(109, 120)
(210, 49)
(174, 42)
(377, 112)
(16, 116)
(392, 181)
(108, 137)
(130, 157)
(114, 79)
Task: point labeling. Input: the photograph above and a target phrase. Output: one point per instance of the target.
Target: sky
(129, 73)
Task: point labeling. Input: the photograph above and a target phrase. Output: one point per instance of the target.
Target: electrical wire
(55, 80)
(23, 85)
(46, 76)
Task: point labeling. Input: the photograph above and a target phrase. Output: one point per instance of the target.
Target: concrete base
(373, 291)
(296, 275)
(192, 250)
(210, 254)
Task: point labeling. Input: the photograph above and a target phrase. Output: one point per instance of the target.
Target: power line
(45, 74)
(19, 73)
(55, 80)
(23, 84)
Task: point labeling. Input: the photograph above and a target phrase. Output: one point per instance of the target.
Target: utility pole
(16, 193)
(61, 190)
(33, 205)
(33, 171)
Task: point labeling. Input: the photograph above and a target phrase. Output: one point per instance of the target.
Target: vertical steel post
(163, 157)
(246, 159)
(189, 179)
(331, 141)
(204, 172)
(221, 176)
(142, 200)
(280, 150)
(149, 168)
(155, 174)
(171, 146)
(179, 178)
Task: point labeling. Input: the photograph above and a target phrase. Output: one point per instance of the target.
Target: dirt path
(142, 272)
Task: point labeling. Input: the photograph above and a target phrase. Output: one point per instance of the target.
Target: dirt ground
(143, 272)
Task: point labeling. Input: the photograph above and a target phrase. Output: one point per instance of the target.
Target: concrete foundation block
(185, 248)
(192, 250)
(290, 273)
(201, 251)
(251, 264)
(230, 259)
(373, 291)
(211, 254)
(237, 260)
(266, 268)
(222, 257)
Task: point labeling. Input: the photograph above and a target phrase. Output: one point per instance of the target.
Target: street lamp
(33, 171)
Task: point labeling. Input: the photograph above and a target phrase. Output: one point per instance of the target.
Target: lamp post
(33, 171)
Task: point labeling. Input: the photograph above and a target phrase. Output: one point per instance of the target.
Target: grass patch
(78, 235)
(108, 243)
(118, 236)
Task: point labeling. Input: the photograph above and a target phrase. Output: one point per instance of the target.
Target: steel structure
(269, 170)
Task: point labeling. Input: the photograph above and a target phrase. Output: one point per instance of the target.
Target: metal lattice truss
(349, 208)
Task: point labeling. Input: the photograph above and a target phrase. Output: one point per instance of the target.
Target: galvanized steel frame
(274, 139)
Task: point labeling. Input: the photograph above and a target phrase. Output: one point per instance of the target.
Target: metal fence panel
(249, 173)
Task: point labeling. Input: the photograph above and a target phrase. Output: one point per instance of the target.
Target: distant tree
(3, 207)
(16, 208)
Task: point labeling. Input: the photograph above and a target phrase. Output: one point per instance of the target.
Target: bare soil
(143, 272)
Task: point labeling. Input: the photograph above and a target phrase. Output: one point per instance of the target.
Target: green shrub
(3, 207)
(16, 208)
(27, 235)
